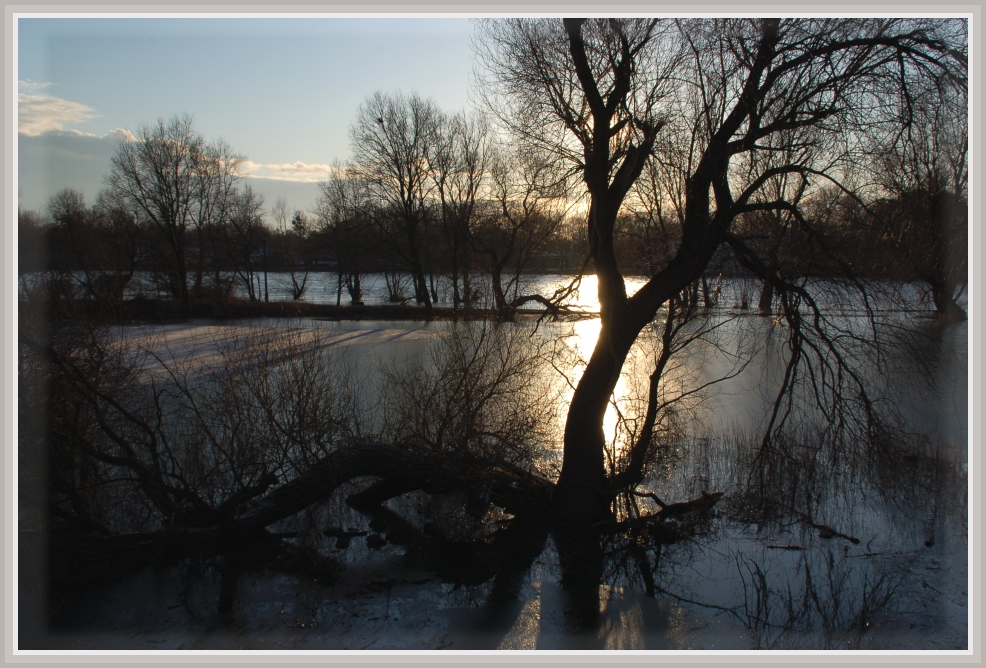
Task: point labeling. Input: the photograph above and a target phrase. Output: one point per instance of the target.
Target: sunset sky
(281, 91)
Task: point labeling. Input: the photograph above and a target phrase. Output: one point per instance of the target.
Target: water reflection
(582, 342)
(758, 574)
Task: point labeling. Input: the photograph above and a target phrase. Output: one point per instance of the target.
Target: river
(745, 583)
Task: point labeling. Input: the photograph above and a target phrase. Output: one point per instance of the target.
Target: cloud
(38, 113)
(31, 86)
(113, 135)
(61, 159)
(293, 171)
(70, 143)
(80, 160)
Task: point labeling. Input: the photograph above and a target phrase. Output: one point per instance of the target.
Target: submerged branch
(516, 491)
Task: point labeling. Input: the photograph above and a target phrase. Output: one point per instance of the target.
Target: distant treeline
(106, 247)
(438, 196)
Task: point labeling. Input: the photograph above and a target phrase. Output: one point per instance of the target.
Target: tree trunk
(183, 285)
(517, 491)
(431, 284)
(706, 293)
(179, 279)
(581, 493)
(421, 294)
(766, 298)
(199, 263)
(946, 307)
(456, 295)
(467, 297)
(496, 283)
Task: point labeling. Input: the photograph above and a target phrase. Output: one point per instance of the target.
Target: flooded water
(880, 563)
(324, 288)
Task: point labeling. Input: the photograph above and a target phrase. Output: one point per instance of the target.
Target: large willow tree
(740, 103)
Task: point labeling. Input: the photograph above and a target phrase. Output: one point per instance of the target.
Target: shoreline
(165, 311)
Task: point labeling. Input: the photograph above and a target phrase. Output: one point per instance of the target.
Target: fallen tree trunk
(402, 470)
(242, 537)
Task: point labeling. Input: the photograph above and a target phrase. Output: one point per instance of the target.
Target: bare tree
(173, 180)
(767, 230)
(925, 171)
(460, 164)
(586, 99)
(242, 238)
(482, 395)
(598, 92)
(298, 251)
(279, 214)
(124, 243)
(33, 256)
(139, 438)
(218, 177)
(657, 206)
(392, 139)
(343, 212)
(157, 170)
(102, 243)
(294, 244)
(529, 195)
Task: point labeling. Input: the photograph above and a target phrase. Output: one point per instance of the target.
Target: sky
(281, 91)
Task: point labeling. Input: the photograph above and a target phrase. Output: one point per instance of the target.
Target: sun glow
(581, 342)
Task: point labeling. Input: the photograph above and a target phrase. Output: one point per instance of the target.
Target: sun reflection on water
(581, 343)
